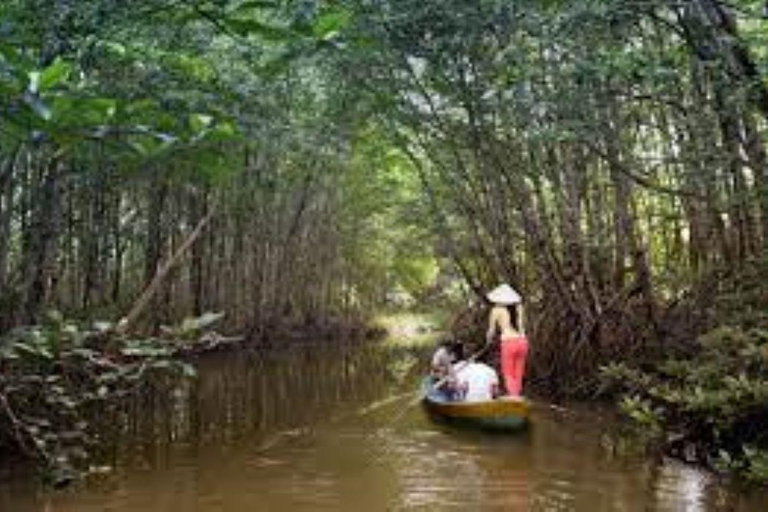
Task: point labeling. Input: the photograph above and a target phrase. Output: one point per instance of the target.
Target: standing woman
(507, 304)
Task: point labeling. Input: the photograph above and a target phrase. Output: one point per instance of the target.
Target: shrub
(55, 376)
(710, 407)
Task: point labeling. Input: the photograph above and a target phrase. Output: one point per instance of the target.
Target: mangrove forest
(210, 209)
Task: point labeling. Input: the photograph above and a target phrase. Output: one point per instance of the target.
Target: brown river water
(323, 429)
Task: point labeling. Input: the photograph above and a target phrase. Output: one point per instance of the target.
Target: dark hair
(453, 346)
(514, 315)
(457, 349)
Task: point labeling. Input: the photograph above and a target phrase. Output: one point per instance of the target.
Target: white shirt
(479, 380)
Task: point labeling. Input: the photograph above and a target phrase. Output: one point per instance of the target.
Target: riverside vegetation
(297, 163)
(706, 401)
(57, 380)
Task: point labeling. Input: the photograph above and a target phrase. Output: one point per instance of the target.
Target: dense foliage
(709, 408)
(59, 382)
(706, 401)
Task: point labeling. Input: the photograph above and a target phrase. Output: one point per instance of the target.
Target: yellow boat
(503, 413)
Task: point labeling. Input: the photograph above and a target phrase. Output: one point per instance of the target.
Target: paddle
(422, 393)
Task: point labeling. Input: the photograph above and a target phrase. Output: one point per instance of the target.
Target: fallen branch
(149, 292)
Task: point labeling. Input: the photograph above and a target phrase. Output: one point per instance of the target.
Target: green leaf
(83, 113)
(20, 65)
(331, 23)
(54, 74)
(115, 47)
(33, 350)
(199, 122)
(151, 145)
(212, 164)
(222, 132)
(274, 33)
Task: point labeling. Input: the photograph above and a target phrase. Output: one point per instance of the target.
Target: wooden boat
(503, 413)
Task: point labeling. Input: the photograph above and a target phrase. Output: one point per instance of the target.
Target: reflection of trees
(256, 395)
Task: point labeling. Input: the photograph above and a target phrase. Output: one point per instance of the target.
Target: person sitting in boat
(441, 370)
(476, 381)
(506, 319)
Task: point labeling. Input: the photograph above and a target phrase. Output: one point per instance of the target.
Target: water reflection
(284, 430)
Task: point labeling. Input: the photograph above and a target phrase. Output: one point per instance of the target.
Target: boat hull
(504, 413)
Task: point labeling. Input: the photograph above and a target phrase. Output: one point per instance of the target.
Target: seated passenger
(476, 381)
(442, 368)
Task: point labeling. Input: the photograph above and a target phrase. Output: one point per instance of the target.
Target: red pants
(514, 352)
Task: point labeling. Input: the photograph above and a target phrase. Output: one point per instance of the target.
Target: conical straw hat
(504, 295)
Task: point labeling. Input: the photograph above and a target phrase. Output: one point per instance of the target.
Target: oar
(422, 393)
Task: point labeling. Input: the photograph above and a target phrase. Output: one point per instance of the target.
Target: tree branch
(149, 292)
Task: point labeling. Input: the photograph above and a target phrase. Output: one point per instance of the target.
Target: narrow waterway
(317, 429)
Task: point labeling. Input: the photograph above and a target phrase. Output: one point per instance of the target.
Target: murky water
(318, 430)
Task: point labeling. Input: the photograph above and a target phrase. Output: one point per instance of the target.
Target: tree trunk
(155, 242)
(41, 252)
